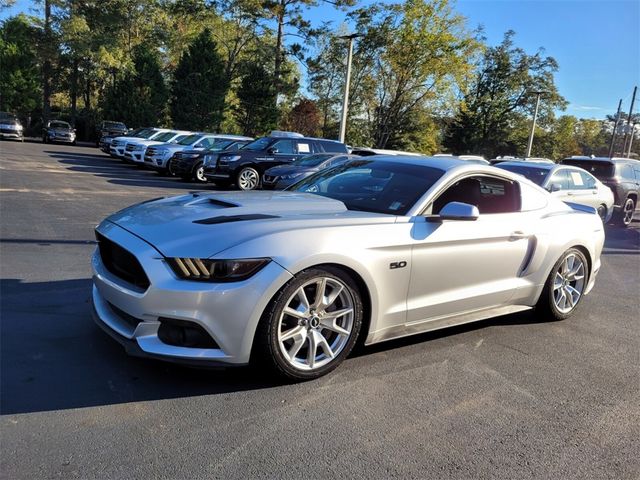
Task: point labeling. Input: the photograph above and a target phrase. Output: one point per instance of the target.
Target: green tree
(410, 60)
(256, 112)
(199, 87)
(20, 85)
(140, 97)
(564, 137)
(502, 89)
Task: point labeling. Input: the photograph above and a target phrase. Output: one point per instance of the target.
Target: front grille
(130, 147)
(269, 178)
(121, 263)
(8, 130)
(151, 151)
(117, 143)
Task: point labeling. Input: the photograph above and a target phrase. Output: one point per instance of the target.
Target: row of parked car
(609, 185)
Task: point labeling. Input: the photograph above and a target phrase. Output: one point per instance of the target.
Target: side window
(489, 194)
(588, 180)
(637, 171)
(284, 147)
(327, 146)
(626, 171)
(575, 180)
(304, 148)
(561, 178)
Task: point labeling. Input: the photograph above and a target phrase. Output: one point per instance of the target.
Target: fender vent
(233, 218)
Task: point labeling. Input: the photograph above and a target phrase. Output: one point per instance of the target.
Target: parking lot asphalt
(513, 397)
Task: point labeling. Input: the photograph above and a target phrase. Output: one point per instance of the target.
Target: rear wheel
(565, 285)
(626, 213)
(248, 179)
(311, 325)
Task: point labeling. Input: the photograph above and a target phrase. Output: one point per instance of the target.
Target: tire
(602, 211)
(625, 215)
(248, 179)
(198, 173)
(565, 286)
(284, 342)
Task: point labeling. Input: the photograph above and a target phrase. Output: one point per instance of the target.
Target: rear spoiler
(582, 208)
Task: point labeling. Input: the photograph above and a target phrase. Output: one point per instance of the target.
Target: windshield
(601, 170)
(59, 125)
(373, 185)
(189, 140)
(535, 174)
(137, 132)
(179, 138)
(165, 137)
(313, 160)
(118, 125)
(220, 145)
(258, 145)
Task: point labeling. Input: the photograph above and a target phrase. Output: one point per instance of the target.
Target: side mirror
(272, 150)
(459, 211)
(554, 187)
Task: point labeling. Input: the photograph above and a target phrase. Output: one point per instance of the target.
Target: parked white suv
(118, 144)
(157, 156)
(135, 149)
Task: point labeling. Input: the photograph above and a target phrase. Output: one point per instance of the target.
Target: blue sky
(596, 43)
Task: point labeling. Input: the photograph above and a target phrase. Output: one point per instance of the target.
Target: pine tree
(256, 113)
(200, 86)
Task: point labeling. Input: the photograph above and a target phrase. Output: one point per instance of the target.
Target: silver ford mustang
(374, 249)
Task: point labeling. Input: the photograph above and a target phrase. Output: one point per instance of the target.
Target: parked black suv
(245, 167)
(621, 175)
(189, 164)
(112, 129)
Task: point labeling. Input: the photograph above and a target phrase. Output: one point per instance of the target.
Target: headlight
(221, 271)
(18, 127)
(191, 155)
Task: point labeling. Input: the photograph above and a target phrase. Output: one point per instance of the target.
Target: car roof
(528, 163)
(442, 163)
(601, 159)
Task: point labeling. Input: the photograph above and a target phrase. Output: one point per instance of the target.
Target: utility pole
(345, 100)
(533, 125)
(615, 127)
(626, 132)
(633, 133)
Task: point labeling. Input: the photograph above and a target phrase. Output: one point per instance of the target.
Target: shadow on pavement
(119, 173)
(54, 357)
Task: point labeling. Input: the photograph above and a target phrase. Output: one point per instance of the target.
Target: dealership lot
(512, 397)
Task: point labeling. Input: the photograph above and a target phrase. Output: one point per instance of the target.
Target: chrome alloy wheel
(627, 211)
(569, 282)
(316, 323)
(248, 179)
(199, 174)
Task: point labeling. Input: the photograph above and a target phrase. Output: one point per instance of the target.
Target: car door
(463, 266)
(280, 152)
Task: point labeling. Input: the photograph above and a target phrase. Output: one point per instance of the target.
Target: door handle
(570, 194)
(517, 235)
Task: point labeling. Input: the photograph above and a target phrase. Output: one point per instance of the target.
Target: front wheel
(565, 285)
(602, 212)
(248, 179)
(198, 173)
(311, 325)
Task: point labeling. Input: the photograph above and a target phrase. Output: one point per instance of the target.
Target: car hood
(144, 142)
(289, 170)
(204, 224)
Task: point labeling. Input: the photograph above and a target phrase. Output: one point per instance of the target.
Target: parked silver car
(571, 184)
(377, 248)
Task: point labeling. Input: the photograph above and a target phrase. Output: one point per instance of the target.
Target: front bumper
(156, 162)
(228, 312)
(183, 166)
(135, 156)
(12, 134)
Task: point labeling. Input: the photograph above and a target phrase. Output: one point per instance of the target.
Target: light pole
(533, 125)
(345, 100)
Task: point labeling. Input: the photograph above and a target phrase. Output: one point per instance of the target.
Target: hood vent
(233, 218)
(222, 203)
